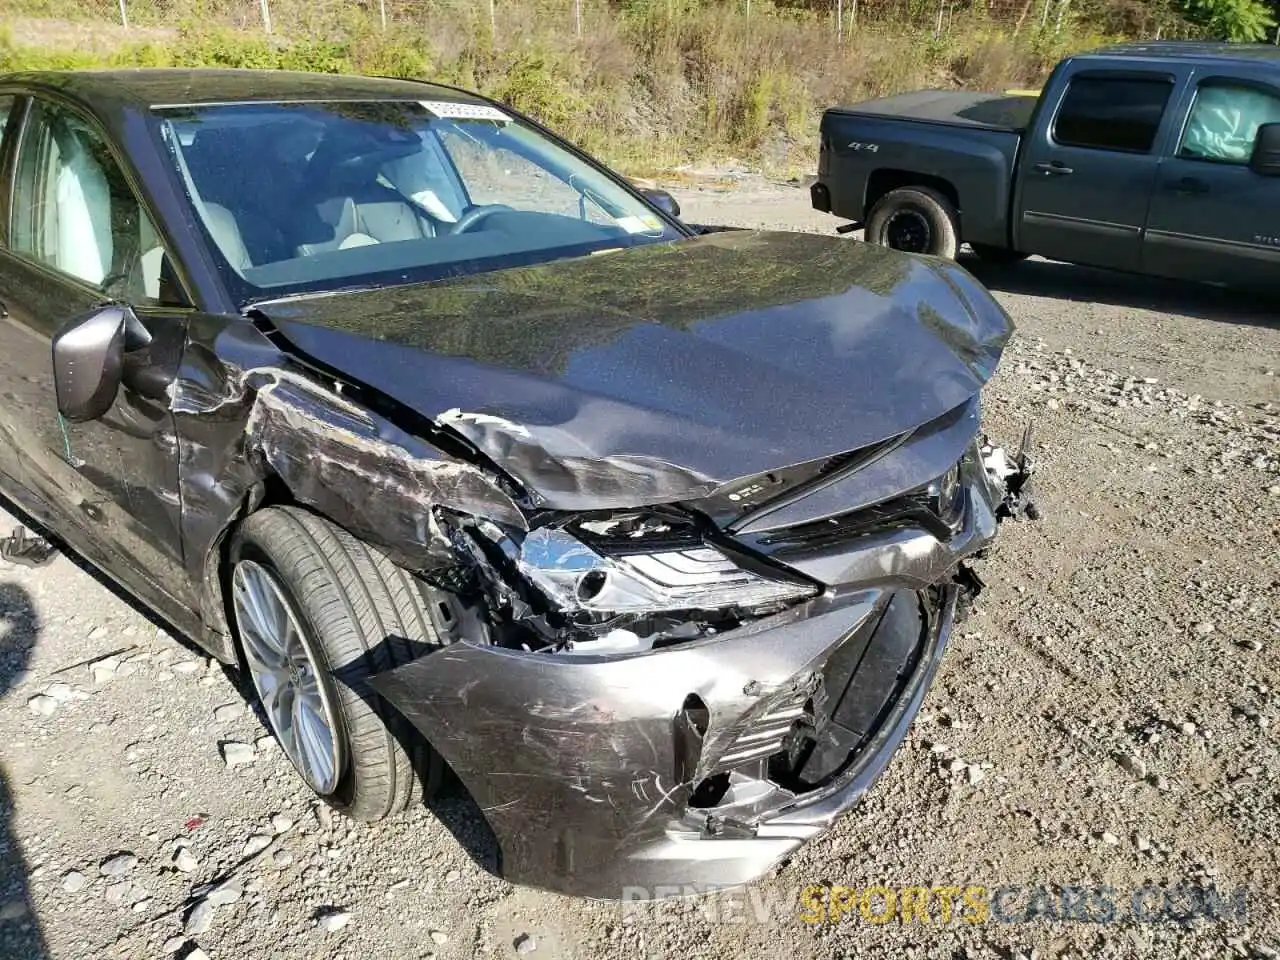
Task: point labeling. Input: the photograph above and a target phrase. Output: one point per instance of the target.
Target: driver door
(78, 237)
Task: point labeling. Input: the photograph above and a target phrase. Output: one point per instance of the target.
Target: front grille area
(765, 737)
(921, 508)
(912, 510)
(861, 684)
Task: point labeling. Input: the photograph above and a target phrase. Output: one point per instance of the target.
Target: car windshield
(314, 196)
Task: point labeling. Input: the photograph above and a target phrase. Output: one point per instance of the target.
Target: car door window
(1112, 113)
(74, 211)
(1224, 121)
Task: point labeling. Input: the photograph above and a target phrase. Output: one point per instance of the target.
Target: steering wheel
(476, 214)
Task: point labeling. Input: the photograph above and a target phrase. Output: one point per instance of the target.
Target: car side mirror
(1266, 151)
(88, 360)
(662, 200)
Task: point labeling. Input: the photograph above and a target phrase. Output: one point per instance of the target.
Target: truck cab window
(1112, 113)
(1224, 121)
(6, 107)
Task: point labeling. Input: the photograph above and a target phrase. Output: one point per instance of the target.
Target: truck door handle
(1188, 185)
(1053, 168)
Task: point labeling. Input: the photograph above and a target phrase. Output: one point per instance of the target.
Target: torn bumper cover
(703, 763)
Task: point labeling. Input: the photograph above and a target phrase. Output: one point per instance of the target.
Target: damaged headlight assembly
(628, 582)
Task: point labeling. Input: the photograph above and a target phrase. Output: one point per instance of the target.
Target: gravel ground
(1107, 717)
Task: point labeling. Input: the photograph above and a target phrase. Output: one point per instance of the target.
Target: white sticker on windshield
(453, 110)
(646, 224)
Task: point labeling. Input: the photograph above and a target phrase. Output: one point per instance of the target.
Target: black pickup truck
(1155, 158)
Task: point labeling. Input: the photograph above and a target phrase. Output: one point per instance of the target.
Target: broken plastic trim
(1011, 479)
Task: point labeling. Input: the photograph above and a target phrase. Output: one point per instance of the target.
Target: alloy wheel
(297, 699)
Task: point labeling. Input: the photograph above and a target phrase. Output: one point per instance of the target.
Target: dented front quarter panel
(248, 414)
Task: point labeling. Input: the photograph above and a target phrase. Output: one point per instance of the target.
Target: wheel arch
(887, 179)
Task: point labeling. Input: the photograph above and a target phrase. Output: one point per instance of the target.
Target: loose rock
(104, 670)
(228, 712)
(226, 893)
(200, 919)
(281, 824)
(73, 881)
(256, 844)
(236, 754)
(439, 937)
(118, 865)
(64, 692)
(13, 910)
(1132, 764)
(333, 922)
(324, 817)
(525, 943)
(42, 706)
(185, 860)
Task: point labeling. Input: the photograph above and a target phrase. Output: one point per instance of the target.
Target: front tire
(316, 613)
(915, 220)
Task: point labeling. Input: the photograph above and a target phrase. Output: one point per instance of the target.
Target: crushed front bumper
(699, 765)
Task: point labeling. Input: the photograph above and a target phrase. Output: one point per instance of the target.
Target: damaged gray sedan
(475, 458)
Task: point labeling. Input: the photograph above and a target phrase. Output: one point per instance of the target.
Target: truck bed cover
(991, 111)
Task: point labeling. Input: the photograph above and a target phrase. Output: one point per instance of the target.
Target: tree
(1243, 21)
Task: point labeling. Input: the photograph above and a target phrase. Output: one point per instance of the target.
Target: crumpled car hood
(663, 372)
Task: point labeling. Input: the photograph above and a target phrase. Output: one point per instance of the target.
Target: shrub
(648, 83)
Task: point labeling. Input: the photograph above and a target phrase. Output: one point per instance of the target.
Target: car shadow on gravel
(1065, 281)
(448, 799)
(453, 806)
(20, 516)
(20, 934)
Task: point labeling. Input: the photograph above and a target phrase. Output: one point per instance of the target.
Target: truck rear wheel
(915, 220)
(996, 254)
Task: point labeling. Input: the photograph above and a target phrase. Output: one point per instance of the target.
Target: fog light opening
(591, 585)
(696, 714)
(709, 792)
(690, 730)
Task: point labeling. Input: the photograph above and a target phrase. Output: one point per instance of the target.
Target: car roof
(1204, 51)
(149, 86)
